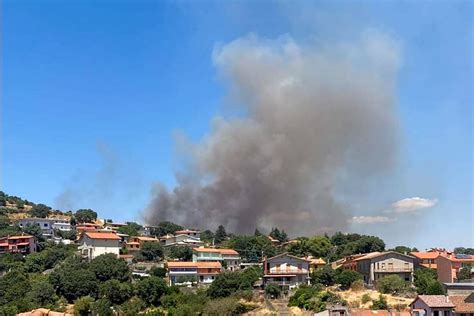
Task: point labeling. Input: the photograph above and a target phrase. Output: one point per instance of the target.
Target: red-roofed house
(448, 266)
(229, 257)
(427, 259)
(432, 305)
(202, 272)
(18, 244)
(94, 243)
(135, 243)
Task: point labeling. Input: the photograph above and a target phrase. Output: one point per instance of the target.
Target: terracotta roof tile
(461, 305)
(436, 300)
(101, 235)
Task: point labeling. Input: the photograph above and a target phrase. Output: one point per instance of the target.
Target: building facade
(374, 266)
(195, 272)
(23, 244)
(448, 266)
(47, 225)
(432, 305)
(229, 257)
(286, 270)
(94, 244)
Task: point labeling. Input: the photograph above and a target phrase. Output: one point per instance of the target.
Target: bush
(115, 292)
(302, 297)
(108, 266)
(229, 283)
(423, 278)
(132, 307)
(346, 278)
(391, 284)
(151, 289)
(42, 294)
(158, 272)
(151, 251)
(357, 285)
(221, 306)
(380, 303)
(435, 288)
(82, 306)
(325, 276)
(365, 298)
(101, 307)
(272, 290)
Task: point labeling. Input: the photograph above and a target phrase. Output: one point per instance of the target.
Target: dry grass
(354, 297)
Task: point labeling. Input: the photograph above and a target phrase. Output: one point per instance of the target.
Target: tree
(151, 251)
(108, 266)
(402, 249)
(435, 288)
(73, 280)
(257, 232)
(35, 231)
(158, 272)
(165, 228)
(13, 287)
(325, 276)
(380, 303)
(207, 236)
(423, 278)
(462, 250)
(151, 289)
(464, 273)
(115, 292)
(391, 284)
(280, 235)
(101, 307)
(40, 210)
(42, 294)
(228, 283)
(183, 253)
(220, 234)
(82, 306)
(346, 278)
(272, 290)
(85, 216)
(252, 248)
(319, 246)
(130, 229)
(300, 248)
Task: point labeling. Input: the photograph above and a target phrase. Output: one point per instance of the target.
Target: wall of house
(445, 269)
(419, 304)
(101, 246)
(286, 264)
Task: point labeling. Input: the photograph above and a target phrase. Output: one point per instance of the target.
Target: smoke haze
(316, 118)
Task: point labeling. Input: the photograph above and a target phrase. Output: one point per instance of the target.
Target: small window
(436, 313)
(446, 313)
(45, 224)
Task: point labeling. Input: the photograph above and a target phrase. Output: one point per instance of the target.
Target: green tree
(108, 266)
(320, 246)
(158, 272)
(464, 273)
(40, 210)
(151, 289)
(13, 287)
(391, 284)
(220, 234)
(165, 228)
(325, 276)
(300, 248)
(346, 278)
(101, 307)
(130, 229)
(252, 248)
(272, 290)
(35, 231)
(462, 250)
(380, 303)
(82, 306)
(115, 291)
(402, 249)
(42, 294)
(207, 236)
(280, 235)
(228, 283)
(435, 288)
(423, 278)
(73, 280)
(183, 253)
(85, 216)
(151, 251)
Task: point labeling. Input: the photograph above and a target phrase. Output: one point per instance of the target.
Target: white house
(180, 240)
(286, 270)
(93, 244)
(47, 225)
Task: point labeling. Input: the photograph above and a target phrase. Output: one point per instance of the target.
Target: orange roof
(452, 258)
(145, 238)
(101, 235)
(224, 251)
(132, 243)
(85, 228)
(187, 264)
(462, 305)
(425, 255)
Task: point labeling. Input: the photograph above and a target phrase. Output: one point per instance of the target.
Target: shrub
(101, 307)
(435, 288)
(357, 285)
(380, 303)
(221, 306)
(272, 290)
(423, 278)
(108, 266)
(115, 292)
(158, 272)
(151, 289)
(302, 297)
(365, 298)
(346, 278)
(391, 284)
(132, 307)
(82, 306)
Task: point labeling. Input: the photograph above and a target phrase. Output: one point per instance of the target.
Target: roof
(287, 255)
(20, 237)
(435, 300)
(425, 255)
(315, 260)
(186, 231)
(461, 305)
(376, 254)
(224, 251)
(369, 312)
(187, 264)
(146, 238)
(101, 235)
(452, 258)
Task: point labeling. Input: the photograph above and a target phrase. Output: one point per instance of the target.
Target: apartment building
(203, 272)
(448, 266)
(228, 257)
(94, 243)
(286, 270)
(24, 244)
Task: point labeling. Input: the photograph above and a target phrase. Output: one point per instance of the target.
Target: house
(24, 244)
(464, 305)
(229, 257)
(47, 225)
(135, 243)
(461, 288)
(315, 263)
(432, 305)
(370, 312)
(146, 230)
(180, 240)
(448, 266)
(334, 310)
(286, 270)
(376, 265)
(427, 259)
(347, 262)
(93, 244)
(202, 272)
(189, 232)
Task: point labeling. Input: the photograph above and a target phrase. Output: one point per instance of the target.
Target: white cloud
(411, 204)
(371, 219)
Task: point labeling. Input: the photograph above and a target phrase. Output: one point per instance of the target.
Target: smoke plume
(313, 119)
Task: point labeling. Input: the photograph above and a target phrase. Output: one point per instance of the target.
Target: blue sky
(95, 92)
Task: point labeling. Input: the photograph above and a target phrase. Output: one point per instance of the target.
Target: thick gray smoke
(316, 119)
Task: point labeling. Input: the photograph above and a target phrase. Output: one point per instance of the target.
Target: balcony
(392, 270)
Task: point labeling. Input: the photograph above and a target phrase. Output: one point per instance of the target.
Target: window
(45, 224)
(300, 266)
(446, 313)
(436, 313)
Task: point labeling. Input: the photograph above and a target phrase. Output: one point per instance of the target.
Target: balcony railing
(393, 270)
